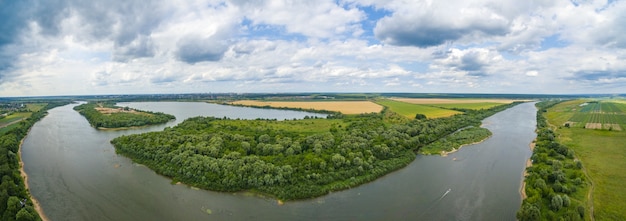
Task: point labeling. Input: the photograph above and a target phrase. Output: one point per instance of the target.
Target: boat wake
(445, 194)
(434, 203)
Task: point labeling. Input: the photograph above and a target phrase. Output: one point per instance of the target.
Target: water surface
(75, 174)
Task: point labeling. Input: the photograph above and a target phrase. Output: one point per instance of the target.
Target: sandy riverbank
(529, 163)
(25, 177)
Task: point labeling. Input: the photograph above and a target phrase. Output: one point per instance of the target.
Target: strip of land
(344, 107)
(452, 101)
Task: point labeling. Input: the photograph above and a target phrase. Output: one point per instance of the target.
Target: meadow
(472, 104)
(409, 110)
(602, 152)
(344, 107)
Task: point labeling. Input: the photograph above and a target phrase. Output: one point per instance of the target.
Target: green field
(14, 117)
(602, 152)
(410, 110)
(471, 106)
(608, 115)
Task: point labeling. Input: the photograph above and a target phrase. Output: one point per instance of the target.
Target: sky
(75, 47)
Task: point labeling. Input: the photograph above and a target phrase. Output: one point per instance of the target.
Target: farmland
(606, 115)
(409, 110)
(602, 152)
(345, 107)
(12, 119)
(472, 104)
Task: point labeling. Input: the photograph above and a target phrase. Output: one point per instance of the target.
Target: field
(607, 115)
(345, 107)
(602, 152)
(409, 110)
(473, 104)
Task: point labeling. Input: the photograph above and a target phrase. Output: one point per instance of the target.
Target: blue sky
(71, 47)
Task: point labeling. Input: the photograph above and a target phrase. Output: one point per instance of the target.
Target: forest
(15, 202)
(120, 117)
(555, 182)
(289, 159)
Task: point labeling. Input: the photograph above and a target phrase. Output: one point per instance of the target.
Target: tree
(529, 212)
(556, 203)
(420, 116)
(24, 215)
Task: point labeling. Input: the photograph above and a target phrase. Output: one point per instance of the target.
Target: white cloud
(78, 47)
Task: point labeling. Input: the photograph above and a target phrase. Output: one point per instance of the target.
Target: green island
(593, 129)
(105, 115)
(455, 140)
(292, 159)
(15, 201)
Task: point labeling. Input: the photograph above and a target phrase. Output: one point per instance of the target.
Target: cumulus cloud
(195, 49)
(473, 62)
(280, 45)
(432, 23)
(318, 19)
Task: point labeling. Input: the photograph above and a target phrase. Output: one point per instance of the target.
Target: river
(75, 174)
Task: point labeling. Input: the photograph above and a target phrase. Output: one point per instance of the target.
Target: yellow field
(452, 101)
(345, 107)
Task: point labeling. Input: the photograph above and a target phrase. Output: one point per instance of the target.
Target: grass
(14, 117)
(603, 154)
(345, 107)
(471, 106)
(35, 107)
(410, 110)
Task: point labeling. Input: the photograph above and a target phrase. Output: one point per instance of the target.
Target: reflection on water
(76, 175)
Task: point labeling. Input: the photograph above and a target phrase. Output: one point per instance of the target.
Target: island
(105, 115)
(296, 159)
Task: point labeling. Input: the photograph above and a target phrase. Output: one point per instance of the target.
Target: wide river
(74, 173)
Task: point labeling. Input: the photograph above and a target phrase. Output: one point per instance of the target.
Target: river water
(75, 174)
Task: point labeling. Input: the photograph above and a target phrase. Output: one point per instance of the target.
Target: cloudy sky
(75, 47)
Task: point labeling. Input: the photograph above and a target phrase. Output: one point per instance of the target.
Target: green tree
(556, 203)
(529, 212)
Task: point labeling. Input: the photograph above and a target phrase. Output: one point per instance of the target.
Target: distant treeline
(554, 179)
(120, 119)
(15, 202)
(237, 155)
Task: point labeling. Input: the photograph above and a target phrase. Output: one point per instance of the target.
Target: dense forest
(15, 203)
(289, 159)
(122, 119)
(554, 179)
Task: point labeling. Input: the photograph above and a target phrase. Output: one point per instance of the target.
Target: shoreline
(445, 154)
(529, 163)
(24, 176)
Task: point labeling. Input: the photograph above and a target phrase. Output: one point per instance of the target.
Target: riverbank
(529, 163)
(25, 178)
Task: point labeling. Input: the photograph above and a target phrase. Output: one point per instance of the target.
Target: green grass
(35, 107)
(471, 106)
(410, 110)
(603, 154)
(4, 130)
(14, 117)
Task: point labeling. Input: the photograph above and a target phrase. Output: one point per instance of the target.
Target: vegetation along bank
(290, 159)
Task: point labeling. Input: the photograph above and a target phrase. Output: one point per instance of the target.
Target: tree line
(120, 119)
(237, 155)
(15, 202)
(554, 179)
